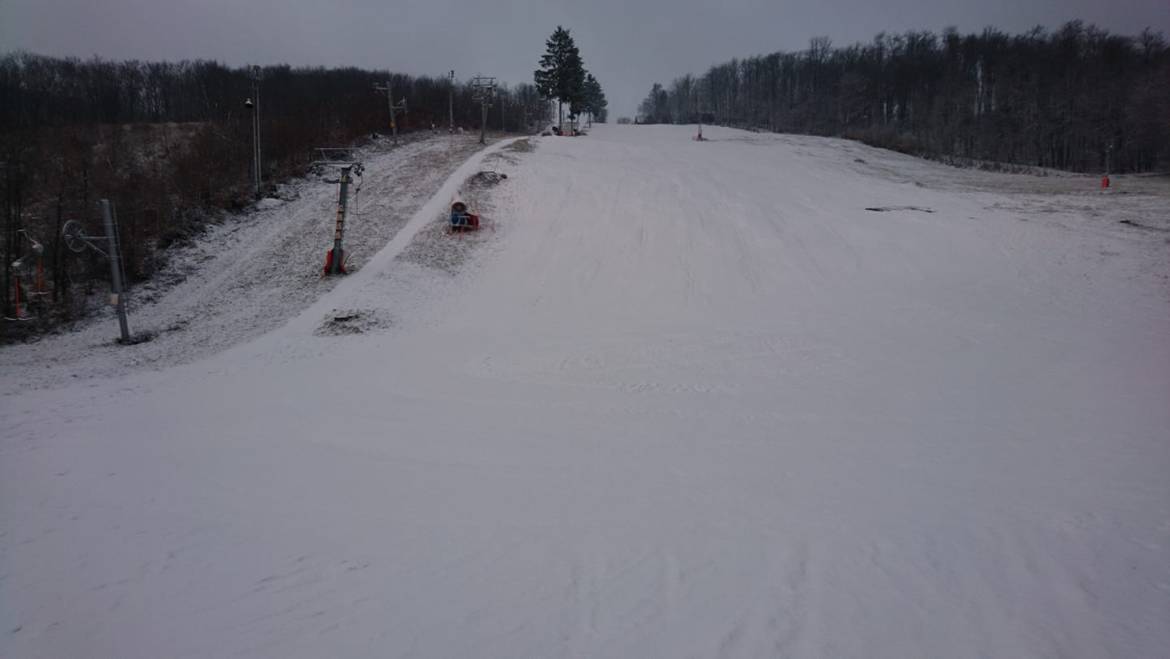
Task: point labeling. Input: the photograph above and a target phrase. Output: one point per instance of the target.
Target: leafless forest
(171, 145)
(1079, 98)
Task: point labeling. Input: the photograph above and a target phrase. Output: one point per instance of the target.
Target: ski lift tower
(484, 90)
(395, 108)
(77, 240)
(340, 159)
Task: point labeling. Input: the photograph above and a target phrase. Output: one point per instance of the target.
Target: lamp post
(451, 102)
(254, 107)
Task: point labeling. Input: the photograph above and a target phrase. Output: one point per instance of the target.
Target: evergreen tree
(595, 102)
(561, 75)
(655, 109)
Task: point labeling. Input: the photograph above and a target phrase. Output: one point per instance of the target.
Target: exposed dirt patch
(521, 146)
(352, 321)
(1139, 225)
(485, 179)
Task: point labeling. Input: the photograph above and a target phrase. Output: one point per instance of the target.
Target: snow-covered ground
(251, 273)
(679, 399)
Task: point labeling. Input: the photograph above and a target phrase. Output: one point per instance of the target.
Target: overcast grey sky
(627, 44)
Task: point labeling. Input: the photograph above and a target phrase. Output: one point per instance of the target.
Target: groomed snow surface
(678, 399)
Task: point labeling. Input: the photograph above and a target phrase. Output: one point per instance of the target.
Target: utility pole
(485, 90)
(451, 102)
(394, 107)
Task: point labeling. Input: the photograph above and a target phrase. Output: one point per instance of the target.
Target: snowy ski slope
(250, 274)
(685, 400)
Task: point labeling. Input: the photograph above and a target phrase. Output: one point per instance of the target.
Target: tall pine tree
(595, 102)
(561, 75)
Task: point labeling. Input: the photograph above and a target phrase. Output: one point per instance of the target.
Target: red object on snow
(329, 264)
(470, 224)
(1104, 182)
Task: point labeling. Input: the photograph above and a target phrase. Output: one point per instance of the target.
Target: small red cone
(1104, 182)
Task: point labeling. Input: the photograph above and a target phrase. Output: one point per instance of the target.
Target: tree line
(170, 144)
(1078, 99)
